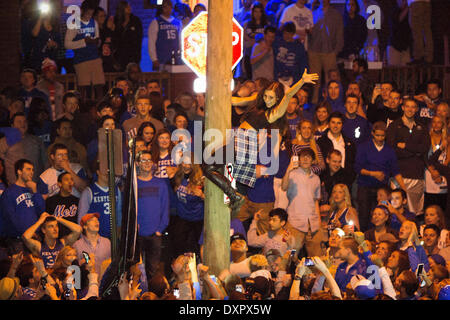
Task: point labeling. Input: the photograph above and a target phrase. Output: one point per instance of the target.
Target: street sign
(194, 44)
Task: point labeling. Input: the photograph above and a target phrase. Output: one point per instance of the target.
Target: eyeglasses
(62, 155)
(146, 160)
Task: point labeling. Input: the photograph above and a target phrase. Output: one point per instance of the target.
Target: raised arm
(34, 245)
(75, 231)
(243, 101)
(280, 109)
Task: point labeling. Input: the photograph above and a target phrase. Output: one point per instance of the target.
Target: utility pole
(218, 116)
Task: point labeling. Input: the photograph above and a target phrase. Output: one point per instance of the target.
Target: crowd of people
(357, 210)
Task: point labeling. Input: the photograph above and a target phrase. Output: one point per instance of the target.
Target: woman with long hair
(411, 243)
(252, 27)
(127, 36)
(305, 139)
(188, 186)
(435, 183)
(46, 38)
(268, 110)
(147, 132)
(435, 215)
(397, 262)
(321, 118)
(343, 215)
(65, 258)
(105, 26)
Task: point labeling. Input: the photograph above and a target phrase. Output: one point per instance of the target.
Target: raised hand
(310, 77)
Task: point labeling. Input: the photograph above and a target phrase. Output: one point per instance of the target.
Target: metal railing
(409, 79)
(69, 80)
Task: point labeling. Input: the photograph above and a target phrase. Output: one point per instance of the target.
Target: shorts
(90, 72)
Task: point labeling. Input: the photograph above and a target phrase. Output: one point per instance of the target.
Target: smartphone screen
(295, 161)
(176, 293)
(419, 269)
(309, 262)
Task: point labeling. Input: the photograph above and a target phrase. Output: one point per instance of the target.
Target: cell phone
(378, 85)
(419, 269)
(295, 161)
(239, 288)
(176, 293)
(213, 277)
(86, 256)
(44, 282)
(385, 202)
(293, 251)
(309, 262)
(419, 273)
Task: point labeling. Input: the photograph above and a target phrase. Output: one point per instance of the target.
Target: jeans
(150, 247)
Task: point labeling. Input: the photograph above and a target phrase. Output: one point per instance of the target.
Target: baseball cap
(8, 288)
(47, 64)
(237, 236)
(363, 288)
(273, 252)
(87, 217)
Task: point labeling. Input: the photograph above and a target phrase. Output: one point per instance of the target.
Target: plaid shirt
(246, 146)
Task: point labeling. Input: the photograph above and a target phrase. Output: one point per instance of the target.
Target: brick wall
(9, 43)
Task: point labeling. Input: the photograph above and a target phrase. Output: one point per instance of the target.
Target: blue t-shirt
(290, 59)
(293, 126)
(153, 206)
(20, 209)
(358, 129)
(189, 206)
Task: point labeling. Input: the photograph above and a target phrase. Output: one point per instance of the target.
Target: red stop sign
(194, 46)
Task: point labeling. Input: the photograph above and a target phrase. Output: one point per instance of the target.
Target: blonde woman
(411, 244)
(305, 139)
(343, 215)
(435, 183)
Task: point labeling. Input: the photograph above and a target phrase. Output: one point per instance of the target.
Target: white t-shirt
(241, 269)
(302, 17)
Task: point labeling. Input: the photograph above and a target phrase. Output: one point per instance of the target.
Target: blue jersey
(49, 255)
(189, 207)
(96, 199)
(90, 52)
(168, 39)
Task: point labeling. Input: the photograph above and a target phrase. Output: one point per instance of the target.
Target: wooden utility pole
(218, 116)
